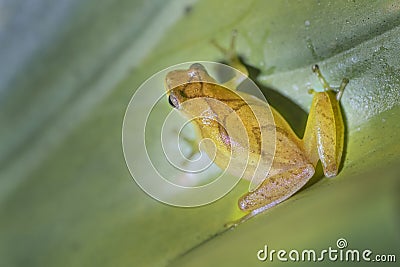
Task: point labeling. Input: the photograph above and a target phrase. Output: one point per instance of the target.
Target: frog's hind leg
(274, 190)
(327, 87)
(324, 135)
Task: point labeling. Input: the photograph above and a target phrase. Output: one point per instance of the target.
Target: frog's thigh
(276, 189)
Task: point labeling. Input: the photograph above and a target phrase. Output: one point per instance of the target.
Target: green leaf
(66, 196)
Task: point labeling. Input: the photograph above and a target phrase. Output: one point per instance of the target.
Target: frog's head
(224, 116)
(183, 85)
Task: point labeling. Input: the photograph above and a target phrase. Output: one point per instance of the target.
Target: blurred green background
(68, 70)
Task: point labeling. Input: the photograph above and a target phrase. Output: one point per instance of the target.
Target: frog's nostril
(197, 66)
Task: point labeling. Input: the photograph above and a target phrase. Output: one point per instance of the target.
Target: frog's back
(280, 142)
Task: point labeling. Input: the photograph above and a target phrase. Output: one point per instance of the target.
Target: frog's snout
(169, 82)
(198, 66)
(176, 78)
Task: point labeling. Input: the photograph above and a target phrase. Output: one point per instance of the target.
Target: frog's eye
(173, 101)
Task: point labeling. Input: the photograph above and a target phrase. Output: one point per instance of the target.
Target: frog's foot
(194, 146)
(233, 224)
(272, 191)
(230, 53)
(233, 60)
(339, 90)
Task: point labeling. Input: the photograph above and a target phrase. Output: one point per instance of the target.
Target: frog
(294, 160)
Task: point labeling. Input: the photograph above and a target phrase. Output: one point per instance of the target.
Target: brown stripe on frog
(235, 104)
(226, 139)
(184, 88)
(257, 134)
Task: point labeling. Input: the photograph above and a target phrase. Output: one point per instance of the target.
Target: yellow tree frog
(294, 160)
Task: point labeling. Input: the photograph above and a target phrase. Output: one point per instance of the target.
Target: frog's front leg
(233, 60)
